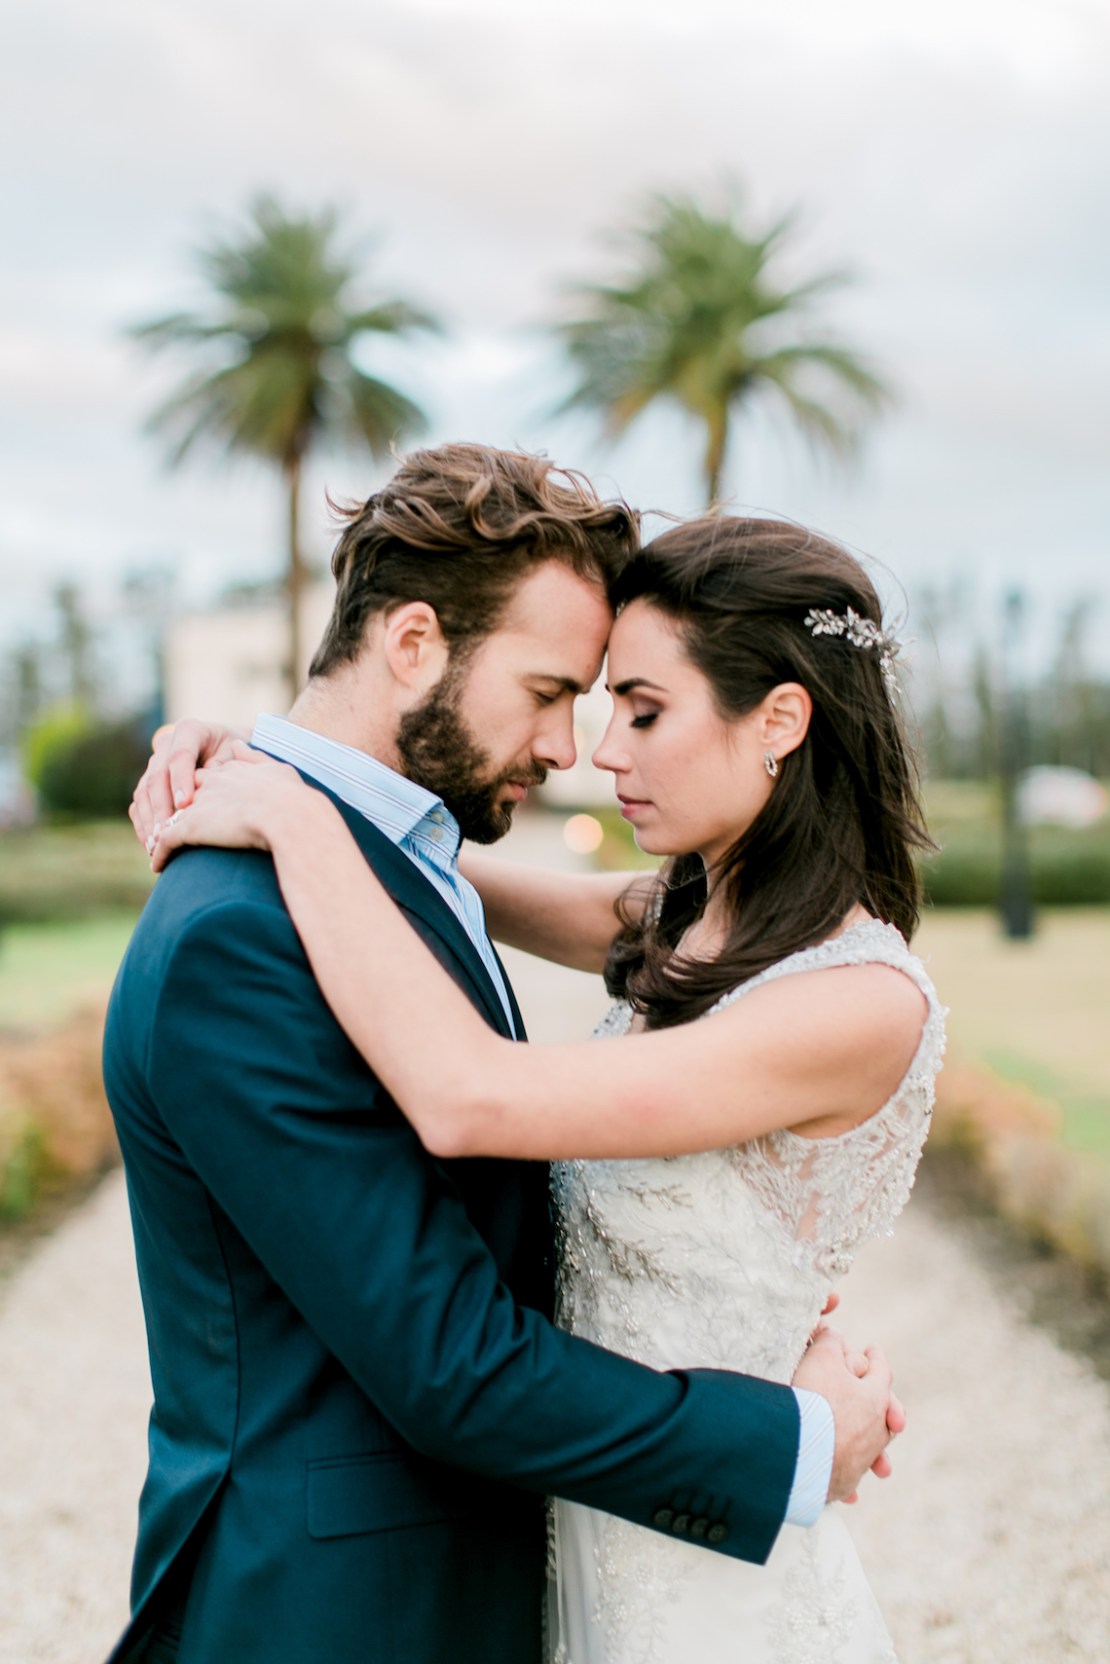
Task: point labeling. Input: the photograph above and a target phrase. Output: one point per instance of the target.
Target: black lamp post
(1016, 899)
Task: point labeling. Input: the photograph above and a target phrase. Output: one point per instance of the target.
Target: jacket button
(662, 1518)
(716, 1533)
(681, 1524)
(699, 1527)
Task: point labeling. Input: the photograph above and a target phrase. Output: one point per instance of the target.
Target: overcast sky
(956, 155)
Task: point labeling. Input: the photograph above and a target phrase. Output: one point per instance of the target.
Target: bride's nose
(609, 755)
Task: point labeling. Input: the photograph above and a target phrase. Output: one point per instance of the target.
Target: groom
(359, 1398)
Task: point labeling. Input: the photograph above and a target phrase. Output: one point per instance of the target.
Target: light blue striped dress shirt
(420, 824)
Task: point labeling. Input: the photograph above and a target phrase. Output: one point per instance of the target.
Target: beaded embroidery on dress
(724, 1260)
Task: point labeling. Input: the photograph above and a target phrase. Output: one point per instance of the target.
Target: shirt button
(662, 1518)
(716, 1534)
(681, 1525)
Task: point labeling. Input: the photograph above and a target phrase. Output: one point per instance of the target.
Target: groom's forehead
(556, 612)
(555, 579)
(562, 660)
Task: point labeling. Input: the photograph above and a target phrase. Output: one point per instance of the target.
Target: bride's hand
(238, 804)
(169, 779)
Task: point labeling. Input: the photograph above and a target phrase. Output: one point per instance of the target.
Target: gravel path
(990, 1546)
(991, 1543)
(74, 1397)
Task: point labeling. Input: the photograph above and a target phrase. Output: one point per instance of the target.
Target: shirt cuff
(816, 1444)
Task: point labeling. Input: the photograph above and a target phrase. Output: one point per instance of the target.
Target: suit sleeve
(366, 1234)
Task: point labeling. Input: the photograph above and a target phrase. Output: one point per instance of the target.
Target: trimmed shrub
(56, 1129)
(89, 773)
(1067, 869)
(1006, 1139)
(54, 731)
(53, 873)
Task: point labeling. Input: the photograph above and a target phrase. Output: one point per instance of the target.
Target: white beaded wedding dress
(724, 1260)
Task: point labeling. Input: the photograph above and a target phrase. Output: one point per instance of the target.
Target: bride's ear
(786, 714)
(414, 647)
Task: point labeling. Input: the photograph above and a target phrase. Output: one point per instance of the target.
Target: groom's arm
(367, 1236)
(814, 1465)
(570, 918)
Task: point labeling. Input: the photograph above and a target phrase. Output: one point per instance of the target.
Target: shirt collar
(397, 806)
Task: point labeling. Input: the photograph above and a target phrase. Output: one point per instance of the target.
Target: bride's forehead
(643, 632)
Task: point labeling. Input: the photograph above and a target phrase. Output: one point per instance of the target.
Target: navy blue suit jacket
(359, 1398)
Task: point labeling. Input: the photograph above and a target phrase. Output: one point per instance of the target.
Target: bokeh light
(583, 834)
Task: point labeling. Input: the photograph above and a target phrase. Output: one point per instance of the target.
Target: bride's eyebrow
(630, 683)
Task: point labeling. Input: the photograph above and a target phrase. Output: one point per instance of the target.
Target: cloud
(957, 155)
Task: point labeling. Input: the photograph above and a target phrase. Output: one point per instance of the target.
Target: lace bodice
(724, 1259)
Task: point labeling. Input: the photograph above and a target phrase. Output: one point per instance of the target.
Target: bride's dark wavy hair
(844, 817)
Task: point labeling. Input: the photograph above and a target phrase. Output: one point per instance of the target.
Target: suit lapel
(518, 1020)
(414, 894)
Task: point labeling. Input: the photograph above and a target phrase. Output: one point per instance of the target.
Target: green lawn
(1034, 1012)
(48, 970)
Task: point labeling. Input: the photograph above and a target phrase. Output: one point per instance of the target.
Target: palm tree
(702, 321)
(276, 375)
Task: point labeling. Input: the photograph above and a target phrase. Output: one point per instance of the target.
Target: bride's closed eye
(644, 720)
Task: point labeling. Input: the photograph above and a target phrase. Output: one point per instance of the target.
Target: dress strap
(871, 942)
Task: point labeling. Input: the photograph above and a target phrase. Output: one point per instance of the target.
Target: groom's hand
(169, 780)
(867, 1415)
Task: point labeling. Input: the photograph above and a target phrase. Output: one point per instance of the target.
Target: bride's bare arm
(568, 917)
(818, 1050)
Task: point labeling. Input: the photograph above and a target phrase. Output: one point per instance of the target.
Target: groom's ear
(415, 647)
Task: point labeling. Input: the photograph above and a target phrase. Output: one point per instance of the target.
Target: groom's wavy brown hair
(844, 818)
(459, 527)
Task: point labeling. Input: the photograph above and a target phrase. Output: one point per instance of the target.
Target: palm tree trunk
(294, 576)
(716, 422)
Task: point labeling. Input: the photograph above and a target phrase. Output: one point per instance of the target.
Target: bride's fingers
(171, 836)
(184, 827)
(156, 785)
(229, 808)
(882, 1467)
(895, 1416)
(138, 813)
(204, 820)
(233, 751)
(150, 803)
(168, 781)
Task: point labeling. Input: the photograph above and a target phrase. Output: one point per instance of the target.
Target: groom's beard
(439, 752)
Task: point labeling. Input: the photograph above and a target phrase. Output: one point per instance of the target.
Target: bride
(765, 1107)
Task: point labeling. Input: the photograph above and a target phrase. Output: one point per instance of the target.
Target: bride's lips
(630, 806)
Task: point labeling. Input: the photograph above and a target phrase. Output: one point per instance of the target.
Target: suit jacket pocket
(351, 1495)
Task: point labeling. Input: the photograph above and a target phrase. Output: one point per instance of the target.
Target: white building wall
(226, 664)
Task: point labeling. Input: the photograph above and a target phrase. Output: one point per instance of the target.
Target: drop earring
(771, 763)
